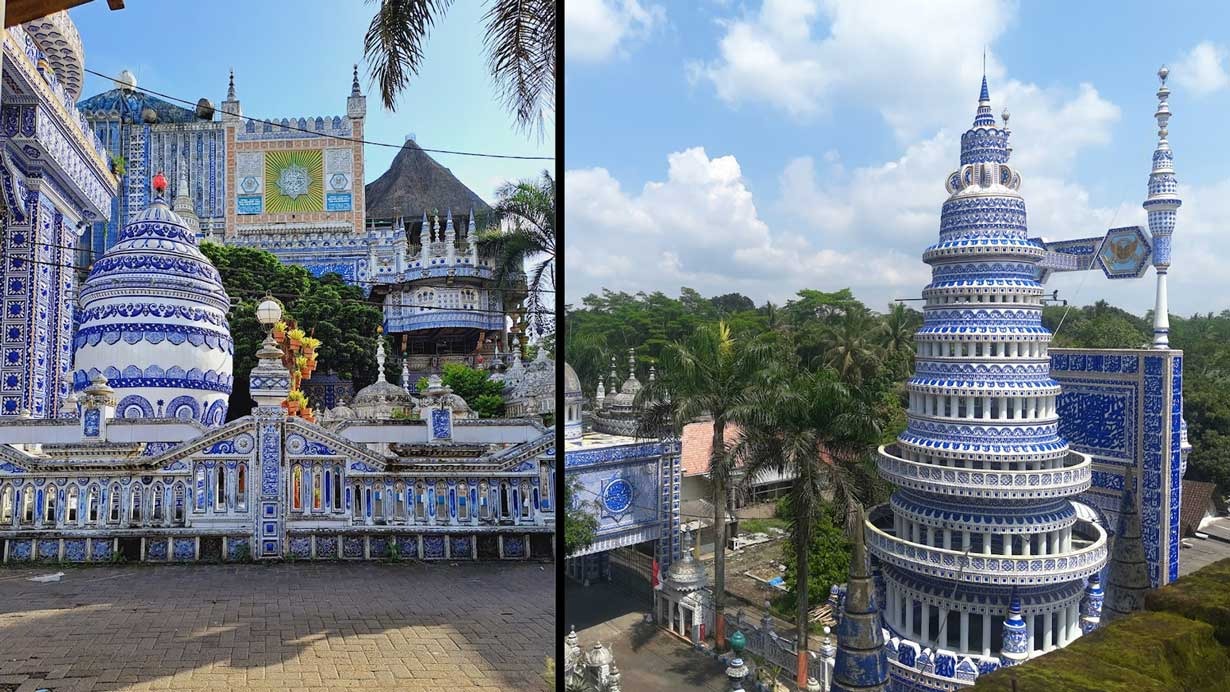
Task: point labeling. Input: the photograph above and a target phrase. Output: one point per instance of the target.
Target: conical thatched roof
(416, 183)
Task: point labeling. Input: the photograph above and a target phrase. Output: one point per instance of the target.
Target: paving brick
(314, 627)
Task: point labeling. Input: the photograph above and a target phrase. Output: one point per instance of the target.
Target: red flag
(655, 574)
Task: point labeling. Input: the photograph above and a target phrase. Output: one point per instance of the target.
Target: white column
(986, 543)
(1027, 542)
(942, 633)
(965, 540)
(986, 408)
(909, 616)
(926, 622)
(1047, 632)
(1062, 634)
(947, 539)
(1029, 634)
(986, 634)
(969, 407)
(964, 631)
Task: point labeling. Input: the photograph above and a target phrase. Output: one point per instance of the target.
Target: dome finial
(354, 81)
(160, 184)
(230, 87)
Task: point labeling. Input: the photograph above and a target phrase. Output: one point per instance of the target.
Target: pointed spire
(380, 355)
(1162, 206)
(862, 663)
(984, 96)
(984, 117)
(1127, 574)
(354, 82)
(230, 87)
(405, 375)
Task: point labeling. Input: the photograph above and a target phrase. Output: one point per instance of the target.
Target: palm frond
(520, 43)
(393, 45)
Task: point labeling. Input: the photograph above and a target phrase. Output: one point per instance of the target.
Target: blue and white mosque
(1032, 484)
(114, 391)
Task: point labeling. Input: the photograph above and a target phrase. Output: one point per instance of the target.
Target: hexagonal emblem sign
(1125, 253)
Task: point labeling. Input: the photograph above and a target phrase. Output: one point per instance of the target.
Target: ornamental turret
(861, 663)
(982, 520)
(1127, 576)
(153, 322)
(1162, 206)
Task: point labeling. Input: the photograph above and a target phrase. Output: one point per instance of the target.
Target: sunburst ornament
(294, 181)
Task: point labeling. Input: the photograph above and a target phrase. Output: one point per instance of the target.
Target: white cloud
(597, 30)
(912, 60)
(1202, 70)
(700, 227)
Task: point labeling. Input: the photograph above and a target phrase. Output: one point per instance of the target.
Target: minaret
(450, 239)
(231, 110)
(1162, 204)
(862, 664)
(356, 104)
(472, 236)
(183, 200)
(600, 396)
(425, 242)
(1127, 576)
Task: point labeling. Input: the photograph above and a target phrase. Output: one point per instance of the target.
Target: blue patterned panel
(48, 549)
(301, 547)
(408, 546)
(460, 547)
(378, 547)
(100, 549)
(352, 547)
(184, 549)
(433, 547)
(514, 546)
(156, 549)
(1094, 420)
(74, 549)
(326, 547)
(21, 549)
(441, 424)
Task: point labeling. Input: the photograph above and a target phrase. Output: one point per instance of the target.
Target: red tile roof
(697, 445)
(1195, 502)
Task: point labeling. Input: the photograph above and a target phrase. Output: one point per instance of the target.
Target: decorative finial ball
(1005, 115)
(126, 81)
(149, 116)
(737, 641)
(269, 311)
(160, 183)
(379, 329)
(1163, 72)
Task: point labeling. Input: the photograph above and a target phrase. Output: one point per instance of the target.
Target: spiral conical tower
(982, 510)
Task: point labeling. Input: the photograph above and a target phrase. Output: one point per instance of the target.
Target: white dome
(153, 322)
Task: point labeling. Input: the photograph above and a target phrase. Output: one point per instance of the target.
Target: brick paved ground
(301, 627)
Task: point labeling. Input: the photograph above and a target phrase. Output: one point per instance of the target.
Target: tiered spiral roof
(153, 322)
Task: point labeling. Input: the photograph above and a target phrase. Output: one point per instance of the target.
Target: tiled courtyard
(302, 627)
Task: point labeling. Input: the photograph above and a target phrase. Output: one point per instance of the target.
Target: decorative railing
(987, 484)
(955, 565)
(775, 649)
(432, 319)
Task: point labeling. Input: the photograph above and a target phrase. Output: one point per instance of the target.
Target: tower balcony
(444, 319)
(1072, 476)
(1086, 556)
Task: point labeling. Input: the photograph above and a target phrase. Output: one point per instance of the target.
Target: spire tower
(1162, 206)
(862, 663)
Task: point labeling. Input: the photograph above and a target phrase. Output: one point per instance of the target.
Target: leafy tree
(481, 393)
(580, 526)
(810, 426)
(848, 346)
(530, 208)
(711, 373)
(519, 40)
(732, 303)
(827, 563)
(329, 309)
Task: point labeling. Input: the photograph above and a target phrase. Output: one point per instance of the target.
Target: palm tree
(519, 40)
(529, 206)
(848, 347)
(811, 426)
(897, 338)
(713, 374)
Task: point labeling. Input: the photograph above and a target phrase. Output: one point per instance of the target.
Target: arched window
(296, 488)
(399, 494)
(137, 504)
(317, 495)
(27, 505)
(49, 507)
(220, 488)
(378, 505)
(337, 488)
(241, 486)
(505, 500)
(113, 504)
(463, 502)
(70, 505)
(200, 489)
(420, 501)
(179, 503)
(156, 510)
(328, 487)
(357, 510)
(525, 499)
(441, 501)
(91, 504)
(484, 507)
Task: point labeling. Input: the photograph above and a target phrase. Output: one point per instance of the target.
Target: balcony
(1072, 478)
(1087, 556)
(444, 319)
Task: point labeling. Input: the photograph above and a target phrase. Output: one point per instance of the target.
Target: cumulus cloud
(806, 57)
(700, 227)
(1202, 70)
(598, 30)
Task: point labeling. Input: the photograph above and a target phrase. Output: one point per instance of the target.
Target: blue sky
(294, 58)
(768, 146)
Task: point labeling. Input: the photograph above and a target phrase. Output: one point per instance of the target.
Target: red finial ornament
(160, 183)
